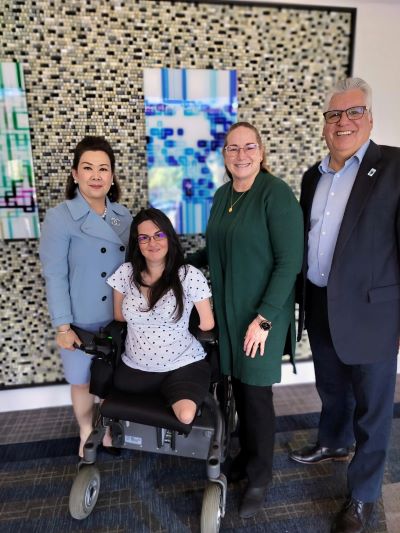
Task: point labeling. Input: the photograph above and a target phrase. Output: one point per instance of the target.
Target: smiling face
(94, 176)
(155, 251)
(244, 166)
(345, 137)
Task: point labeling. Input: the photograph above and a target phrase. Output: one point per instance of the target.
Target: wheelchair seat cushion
(143, 409)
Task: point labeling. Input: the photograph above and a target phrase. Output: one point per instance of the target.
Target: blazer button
(103, 250)
(103, 274)
(104, 298)
(122, 248)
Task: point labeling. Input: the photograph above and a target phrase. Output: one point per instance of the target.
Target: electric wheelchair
(143, 422)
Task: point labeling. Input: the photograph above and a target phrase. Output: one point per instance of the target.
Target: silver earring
(75, 181)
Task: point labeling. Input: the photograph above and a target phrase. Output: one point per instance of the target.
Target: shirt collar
(79, 207)
(324, 167)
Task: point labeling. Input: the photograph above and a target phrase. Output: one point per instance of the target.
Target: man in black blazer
(350, 294)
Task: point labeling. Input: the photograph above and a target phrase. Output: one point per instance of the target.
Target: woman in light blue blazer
(82, 243)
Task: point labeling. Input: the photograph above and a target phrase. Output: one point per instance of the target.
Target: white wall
(376, 59)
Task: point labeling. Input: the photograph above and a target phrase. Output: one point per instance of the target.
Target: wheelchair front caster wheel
(211, 510)
(84, 492)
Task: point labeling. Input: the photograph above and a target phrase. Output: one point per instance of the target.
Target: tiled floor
(42, 424)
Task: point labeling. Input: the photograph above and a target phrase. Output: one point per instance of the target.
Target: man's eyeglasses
(234, 149)
(145, 239)
(353, 113)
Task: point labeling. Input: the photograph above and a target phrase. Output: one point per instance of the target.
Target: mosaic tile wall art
(19, 217)
(83, 65)
(188, 112)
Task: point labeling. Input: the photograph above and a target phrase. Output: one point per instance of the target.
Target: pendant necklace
(233, 203)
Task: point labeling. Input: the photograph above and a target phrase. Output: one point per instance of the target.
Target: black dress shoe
(252, 501)
(354, 517)
(314, 454)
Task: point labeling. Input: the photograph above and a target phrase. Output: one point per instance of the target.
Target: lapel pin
(371, 172)
(115, 221)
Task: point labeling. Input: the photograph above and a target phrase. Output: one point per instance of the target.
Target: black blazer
(364, 283)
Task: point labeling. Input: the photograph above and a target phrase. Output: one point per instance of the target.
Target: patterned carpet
(155, 494)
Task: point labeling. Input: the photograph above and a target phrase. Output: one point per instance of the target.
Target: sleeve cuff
(67, 319)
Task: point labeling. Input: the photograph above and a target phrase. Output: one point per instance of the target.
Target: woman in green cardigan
(254, 251)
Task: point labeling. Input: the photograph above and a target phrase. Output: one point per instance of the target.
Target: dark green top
(254, 254)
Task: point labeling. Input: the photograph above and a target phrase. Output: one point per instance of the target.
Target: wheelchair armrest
(106, 347)
(209, 336)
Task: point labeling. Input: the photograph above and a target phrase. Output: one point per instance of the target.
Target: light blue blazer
(78, 251)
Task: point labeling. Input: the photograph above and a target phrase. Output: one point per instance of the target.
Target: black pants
(255, 409)
(357, 402)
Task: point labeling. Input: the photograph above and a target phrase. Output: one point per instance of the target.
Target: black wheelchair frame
(143, 422)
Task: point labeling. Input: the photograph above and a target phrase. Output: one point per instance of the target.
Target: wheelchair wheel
(211, 509)
(84, 492)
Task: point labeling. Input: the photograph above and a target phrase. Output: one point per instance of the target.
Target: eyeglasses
(145, 239)
(234, 149)
(353, 113)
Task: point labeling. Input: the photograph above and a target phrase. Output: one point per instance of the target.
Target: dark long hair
(174, 260)
(263, 164)
(93, 144)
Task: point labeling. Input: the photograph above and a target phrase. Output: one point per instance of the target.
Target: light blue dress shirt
(329, 203)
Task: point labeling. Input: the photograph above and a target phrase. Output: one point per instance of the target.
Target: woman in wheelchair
(154, 292)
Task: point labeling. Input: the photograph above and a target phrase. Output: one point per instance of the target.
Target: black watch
(265, 325)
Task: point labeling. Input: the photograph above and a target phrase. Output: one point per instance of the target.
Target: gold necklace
(236, 201)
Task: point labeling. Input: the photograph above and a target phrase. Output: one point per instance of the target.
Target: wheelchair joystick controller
(94, 343)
